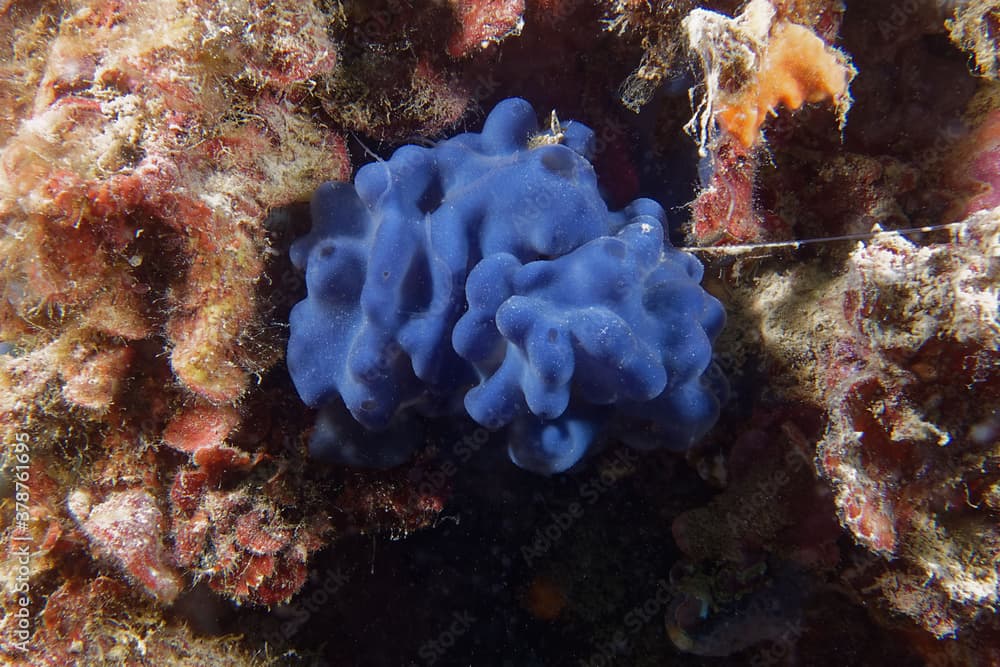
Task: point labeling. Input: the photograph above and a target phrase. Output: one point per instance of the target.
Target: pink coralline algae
(128, 527)
(101, 622)
(201, 430)
(146, 144)
(483, 22)
(726, 210)
(975, 164)
(128, 151)
(247, 518)
(238, 540)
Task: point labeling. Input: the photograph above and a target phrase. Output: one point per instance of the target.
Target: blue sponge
(487, 275)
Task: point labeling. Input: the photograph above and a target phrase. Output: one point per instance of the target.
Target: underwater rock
(901, 352)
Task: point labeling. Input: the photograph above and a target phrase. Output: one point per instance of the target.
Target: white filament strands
(776, 245)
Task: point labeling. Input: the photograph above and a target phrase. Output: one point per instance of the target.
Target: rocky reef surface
(834, 164)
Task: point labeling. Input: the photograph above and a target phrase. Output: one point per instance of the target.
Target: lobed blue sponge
(487, 275)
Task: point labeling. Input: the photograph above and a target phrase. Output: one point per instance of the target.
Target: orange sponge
(797, 67)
